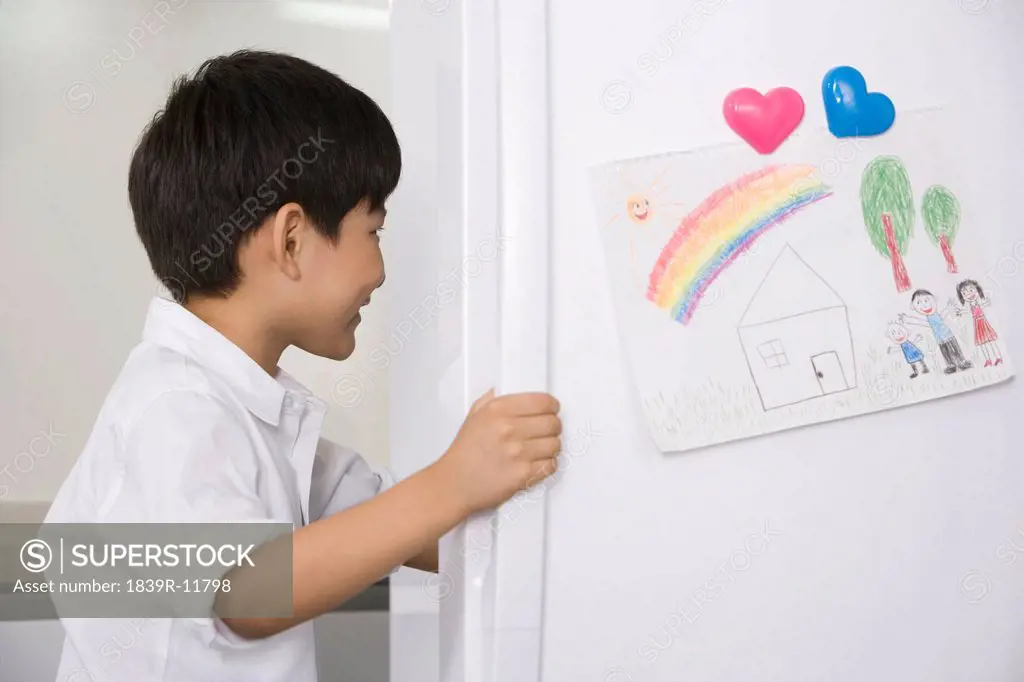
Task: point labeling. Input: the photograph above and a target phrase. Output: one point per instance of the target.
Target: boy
(258, 192)
(923, 301)
(898, 334)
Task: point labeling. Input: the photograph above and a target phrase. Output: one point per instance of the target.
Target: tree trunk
(948, 253)
(899, 270)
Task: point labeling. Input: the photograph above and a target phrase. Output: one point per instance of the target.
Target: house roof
(790, 288)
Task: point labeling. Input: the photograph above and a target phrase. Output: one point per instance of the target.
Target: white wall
(76, 282)
(425, 377)
(75, 93)
(874, 524)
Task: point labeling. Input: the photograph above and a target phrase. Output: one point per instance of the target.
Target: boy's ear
(288, 236)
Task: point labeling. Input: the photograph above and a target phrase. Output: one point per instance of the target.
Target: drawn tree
(941, 213)
(887, 202)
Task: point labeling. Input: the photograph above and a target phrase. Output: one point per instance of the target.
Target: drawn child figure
(971, 294)
(923, 302)
(898, 334)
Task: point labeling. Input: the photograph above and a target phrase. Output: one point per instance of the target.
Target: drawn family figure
(899, 335)
(928, 315)
(972, 295)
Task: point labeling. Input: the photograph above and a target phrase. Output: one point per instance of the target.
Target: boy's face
(337, 280)
(924, 304)
(897, 333)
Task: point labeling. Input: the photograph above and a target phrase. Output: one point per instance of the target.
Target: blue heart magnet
(851, 110)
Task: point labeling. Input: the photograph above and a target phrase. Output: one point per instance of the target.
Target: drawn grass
(705, 415)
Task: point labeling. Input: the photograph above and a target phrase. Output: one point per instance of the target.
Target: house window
(773, 354)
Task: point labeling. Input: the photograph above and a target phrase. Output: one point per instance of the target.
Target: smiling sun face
(639, 209)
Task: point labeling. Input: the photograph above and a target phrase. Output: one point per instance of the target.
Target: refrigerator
(876, 547)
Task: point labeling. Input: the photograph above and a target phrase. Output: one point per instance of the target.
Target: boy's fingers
(482, 400)
(542, 469)
(525, 404)
(540, 449)
(538, 426)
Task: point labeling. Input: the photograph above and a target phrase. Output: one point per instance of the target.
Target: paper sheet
(833, 278)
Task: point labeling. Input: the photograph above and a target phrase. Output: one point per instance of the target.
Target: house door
(829, 372)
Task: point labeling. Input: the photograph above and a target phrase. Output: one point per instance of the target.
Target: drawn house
(796, 337)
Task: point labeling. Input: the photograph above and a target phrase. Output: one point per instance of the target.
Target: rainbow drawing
(725, 225)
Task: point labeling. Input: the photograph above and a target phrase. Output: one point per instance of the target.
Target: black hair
(920, 292)
(246, 134)
(963, 285)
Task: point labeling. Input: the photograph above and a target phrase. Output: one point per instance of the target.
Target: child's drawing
(796, 335)
(749, 300)
(898, 334)
(941, 213)
(928, 315)
(721, 227)
(887, 202)
(972, 295)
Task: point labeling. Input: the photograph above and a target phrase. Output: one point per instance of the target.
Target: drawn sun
(643, 203)
(638, 208)
(649, 205)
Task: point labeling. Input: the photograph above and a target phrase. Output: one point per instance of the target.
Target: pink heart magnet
(764, 121)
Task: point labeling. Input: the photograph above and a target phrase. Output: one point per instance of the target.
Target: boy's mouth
(358, 317)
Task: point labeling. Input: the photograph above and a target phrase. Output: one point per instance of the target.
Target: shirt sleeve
(342, 479)
(188, 459)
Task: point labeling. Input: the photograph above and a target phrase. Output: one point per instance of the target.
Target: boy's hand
(506, 444)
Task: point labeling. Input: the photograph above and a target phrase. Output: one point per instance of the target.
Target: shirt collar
(171, 325)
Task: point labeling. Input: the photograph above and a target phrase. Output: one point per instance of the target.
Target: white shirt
(193, 430)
